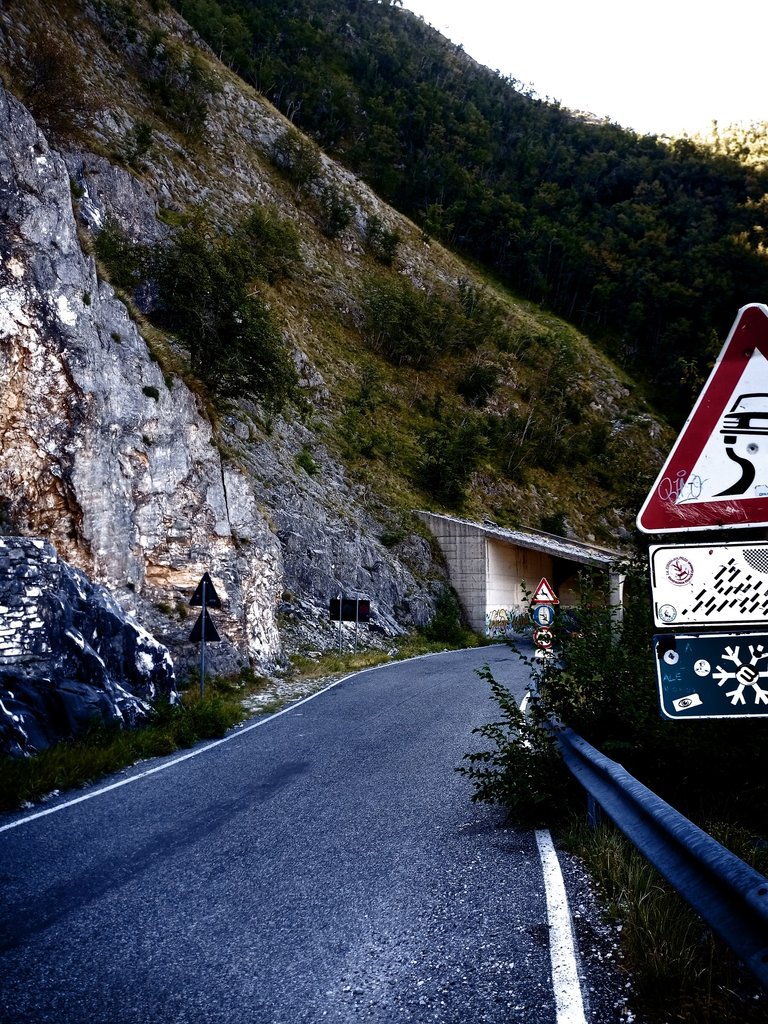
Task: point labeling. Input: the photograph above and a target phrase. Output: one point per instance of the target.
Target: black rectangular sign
(352, 609)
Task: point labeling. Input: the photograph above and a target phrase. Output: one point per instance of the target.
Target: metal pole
(341, 616)
(357, 619)
(202, 647)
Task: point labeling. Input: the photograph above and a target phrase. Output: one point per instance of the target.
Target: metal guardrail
(728, 894)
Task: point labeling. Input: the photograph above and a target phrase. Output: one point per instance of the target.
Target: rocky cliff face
(115, 464)
(69, 655)
(101, 454)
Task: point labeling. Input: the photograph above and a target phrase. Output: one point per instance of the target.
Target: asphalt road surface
(324, 865)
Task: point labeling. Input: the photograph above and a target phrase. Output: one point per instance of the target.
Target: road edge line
(569, 1003)
(237, 731)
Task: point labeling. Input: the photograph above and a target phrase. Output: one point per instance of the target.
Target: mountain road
(325, 864)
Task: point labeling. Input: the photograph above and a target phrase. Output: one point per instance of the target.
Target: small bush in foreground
(522, 771)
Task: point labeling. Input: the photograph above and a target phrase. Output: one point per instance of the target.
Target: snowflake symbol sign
(745, 673)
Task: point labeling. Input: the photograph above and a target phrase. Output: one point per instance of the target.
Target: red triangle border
(659, 514)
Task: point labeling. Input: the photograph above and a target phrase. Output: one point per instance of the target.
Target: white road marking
(569, 1005)
(169, 764)
(237, 732)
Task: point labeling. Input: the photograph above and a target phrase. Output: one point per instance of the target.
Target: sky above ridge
(658, 66)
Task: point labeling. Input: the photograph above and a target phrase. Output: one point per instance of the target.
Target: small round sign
(543, 638)
(543, 614)
(667, 612)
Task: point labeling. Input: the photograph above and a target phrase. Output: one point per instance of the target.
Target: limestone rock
(101, 453)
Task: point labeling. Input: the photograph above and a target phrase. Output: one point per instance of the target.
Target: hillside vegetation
(650, 246)
(283, 286)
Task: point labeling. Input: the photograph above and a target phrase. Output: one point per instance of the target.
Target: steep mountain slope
(295, 361)
(650, 245)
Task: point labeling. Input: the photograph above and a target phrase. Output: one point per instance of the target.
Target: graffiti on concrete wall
(500, 621)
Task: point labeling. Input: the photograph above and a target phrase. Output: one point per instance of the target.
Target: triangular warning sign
(716, 476)
(544, 594)
(211, 633)
(212, 599)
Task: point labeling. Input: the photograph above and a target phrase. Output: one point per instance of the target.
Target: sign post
(205, 597)
(350, 609)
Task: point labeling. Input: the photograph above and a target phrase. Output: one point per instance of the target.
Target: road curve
(326, 865)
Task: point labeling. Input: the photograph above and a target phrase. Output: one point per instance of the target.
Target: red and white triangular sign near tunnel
(544, 594)
(716, 476)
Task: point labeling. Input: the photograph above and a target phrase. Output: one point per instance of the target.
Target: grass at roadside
(680, 972)
(227, 702)
(107, 749)
(331, 662)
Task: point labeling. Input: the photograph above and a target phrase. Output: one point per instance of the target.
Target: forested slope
(650, 246)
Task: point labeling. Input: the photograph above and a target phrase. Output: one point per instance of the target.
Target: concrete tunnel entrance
(491, 568)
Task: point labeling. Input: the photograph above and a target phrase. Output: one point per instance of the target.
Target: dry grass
(680, 971)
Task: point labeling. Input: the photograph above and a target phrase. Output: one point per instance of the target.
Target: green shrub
(451, 453)
(205, 298)
(405, 324)
(126, 262)
(478, 384)
(446, 625)
(413, 327)
(305, 461)
(336, 210)
(381, 242)
(180, 86)
(268, 245)
(138, 142)
(234, 342)
(522, 770)
(297, 157)
(391, 538)
(555, 522)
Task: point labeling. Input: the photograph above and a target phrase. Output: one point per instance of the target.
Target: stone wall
(28, 568)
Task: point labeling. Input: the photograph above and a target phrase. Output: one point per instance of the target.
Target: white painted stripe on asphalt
(209, 746)
(524, 702)
(168, 764)
(569, 1005)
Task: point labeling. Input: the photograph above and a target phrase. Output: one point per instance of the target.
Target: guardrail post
(594, 812)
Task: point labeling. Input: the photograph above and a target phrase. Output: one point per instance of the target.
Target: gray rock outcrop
(70, 657)
(99, 451)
